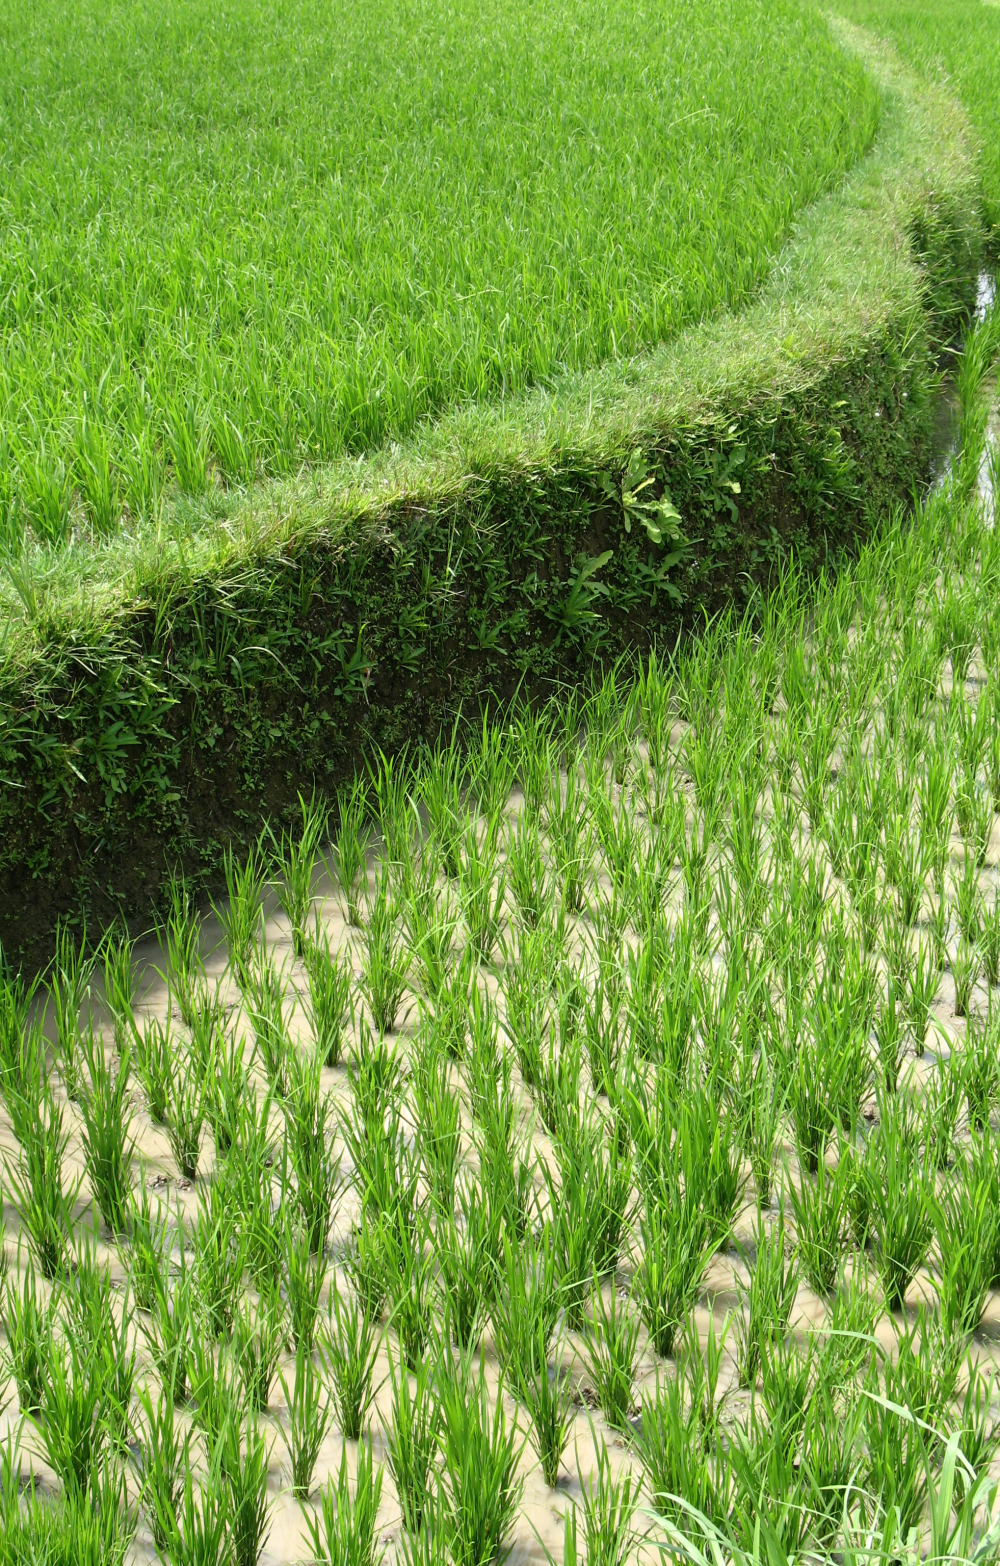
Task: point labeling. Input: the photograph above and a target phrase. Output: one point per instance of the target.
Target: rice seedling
(411, 1443)
(240, 913)
(179, 929)
(308, 1113)
(965, 963)
(670, 1446)
(479, 1452)
(678, 1240)
(386, 963)
(108, 1144)
(350, 850)
(97, 1527)
(350, 1343)
(309, 1414)
(258, 1338)
(483, 886)
(163, 1461)
(900, 1206)
(264, 1000)
(767, 1299)
(966, 1226)
(44, 1207)
(154, 1057)
(196, 1526)
(612, 1334)
(72, 971)
(76, 1411)
(344, 1532)
(27, 1323)
(294, 856)
(169, 1334)
(981, 1066)
(120, 985)
(609, 1507)
(819, 1209)
(185, 1116)
(924, 983)
(143, 1247)
(219, 1257)
(330, 981)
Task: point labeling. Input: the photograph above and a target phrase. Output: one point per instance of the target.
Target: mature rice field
(584, 1140)
(240, 239)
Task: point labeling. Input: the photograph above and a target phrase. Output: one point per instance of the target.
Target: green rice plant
(612, 1337)
(569, 835)
(258, 1338)
(120, 984)
(943, 1094)
(243, 1462)
(72, 972)
(900, 1195)
(264, 1000)
(968, 901)
(143, 1246)
(366, 1261)
(767, 1299)
(154, 1057)
(186, 1112)
(670, 1446)
(480, 1452)
(411, 1442)
(108, 1146)
(989, 941)
(227, 1090)
(819, 1209)
(219, 1253)
(350, 849)
(330, 981)
(965, 964)
(465, 1260)
(386, 963)
(890, 1038)
(483, 883)
(308, 1113)
(924, 984)
(528, 874)
(44, 1208)
(240, 914)
(344, 1532)
(309, 1414)
(609, 1507)
(294, 857)
(27, 1323)
(967, 1228)
(196, 1525)
(169, 1332)
(350, 1344)
(981, 1065)
(179, 930)
(96, 1529)
(411, 1287)
(77, 1412)
(439, 1127)
(547, 1396)
(977, 1431)
(164, 1458)
(304, 1274)
(678, 1241)
(906, 866)
(213, 1390)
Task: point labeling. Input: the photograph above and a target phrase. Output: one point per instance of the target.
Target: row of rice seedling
(642, 1052)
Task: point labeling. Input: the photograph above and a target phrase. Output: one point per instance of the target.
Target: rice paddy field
(238, 240)
(580, 1143)
(956, 42)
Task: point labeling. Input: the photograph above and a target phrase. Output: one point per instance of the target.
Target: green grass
(241, 240)
(956, 42)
